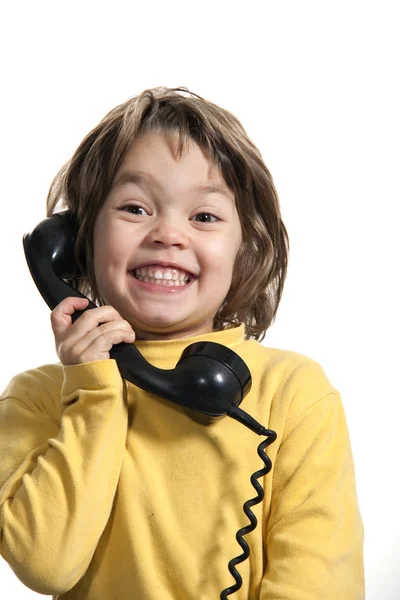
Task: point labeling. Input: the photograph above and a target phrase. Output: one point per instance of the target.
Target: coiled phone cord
(238, 414)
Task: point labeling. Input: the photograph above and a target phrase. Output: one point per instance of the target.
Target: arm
(57, 483)
(314, 540)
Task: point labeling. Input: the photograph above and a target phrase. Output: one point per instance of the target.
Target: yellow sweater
(108, 492)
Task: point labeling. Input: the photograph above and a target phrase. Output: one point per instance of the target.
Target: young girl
(110, 492)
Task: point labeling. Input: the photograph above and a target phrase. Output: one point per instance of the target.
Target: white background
(316, 86)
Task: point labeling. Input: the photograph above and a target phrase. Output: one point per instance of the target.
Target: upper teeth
(160, 273)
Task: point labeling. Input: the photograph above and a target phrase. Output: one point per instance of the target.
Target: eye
(207, 215)
(131, 208)
(134, 208)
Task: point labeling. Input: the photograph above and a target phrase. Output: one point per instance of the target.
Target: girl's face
(165, 211)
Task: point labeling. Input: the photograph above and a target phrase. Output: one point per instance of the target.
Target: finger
(60, 317)
(100, 348)
(93, 317)
(78, 343)
(74, 345)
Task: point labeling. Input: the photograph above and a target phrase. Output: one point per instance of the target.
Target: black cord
(245, 419)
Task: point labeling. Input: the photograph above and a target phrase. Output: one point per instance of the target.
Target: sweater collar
(169, 351)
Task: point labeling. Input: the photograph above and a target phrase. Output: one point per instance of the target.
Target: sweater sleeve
(314, 539)
(58, 480)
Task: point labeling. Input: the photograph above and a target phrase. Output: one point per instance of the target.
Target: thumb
(61, 316)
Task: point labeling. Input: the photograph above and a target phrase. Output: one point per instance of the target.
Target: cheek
(104, 251)
(107, 244)
(99, 251)
(234, 244)
(220, 254)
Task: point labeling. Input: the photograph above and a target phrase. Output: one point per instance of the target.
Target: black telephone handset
(208, 382)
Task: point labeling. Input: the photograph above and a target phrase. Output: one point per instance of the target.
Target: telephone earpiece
(209, 379)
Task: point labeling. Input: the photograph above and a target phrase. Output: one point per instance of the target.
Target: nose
(169, 233)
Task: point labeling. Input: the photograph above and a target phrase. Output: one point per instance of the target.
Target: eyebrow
(141, 178)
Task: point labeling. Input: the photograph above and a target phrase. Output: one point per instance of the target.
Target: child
(109, 492)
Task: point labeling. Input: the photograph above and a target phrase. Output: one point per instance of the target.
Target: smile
(162, 285)
(164, 281)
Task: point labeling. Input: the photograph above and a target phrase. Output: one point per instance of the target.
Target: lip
(158, 288)
(163, 263)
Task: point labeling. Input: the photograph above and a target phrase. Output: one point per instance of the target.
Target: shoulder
(39, 388)
(293, 380)
(289, 367)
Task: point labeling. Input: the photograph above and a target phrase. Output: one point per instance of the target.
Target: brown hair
(83, 183)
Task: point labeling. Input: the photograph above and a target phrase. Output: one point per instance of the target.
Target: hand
(86, 340)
